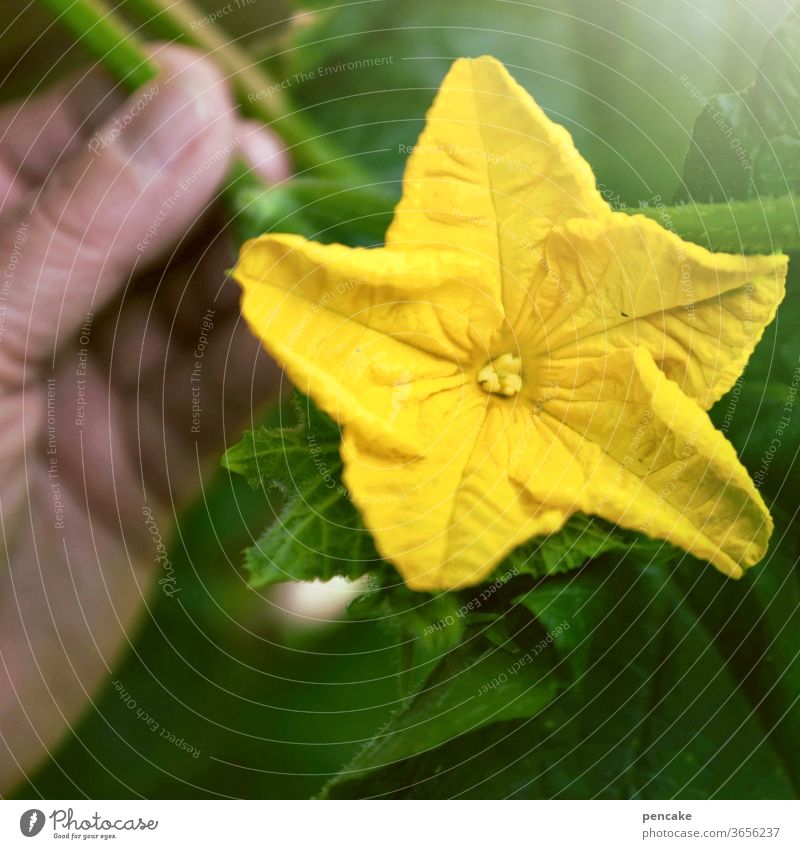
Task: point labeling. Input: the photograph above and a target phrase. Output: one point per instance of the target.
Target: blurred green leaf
(608, 71)
(368, 76)
(747, 143)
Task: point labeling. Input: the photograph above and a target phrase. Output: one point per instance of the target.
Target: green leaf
(755, 624)
(318, 534)
(657, 704)
(747, 143)
(474, 686)
(580, 540)
(426, 626)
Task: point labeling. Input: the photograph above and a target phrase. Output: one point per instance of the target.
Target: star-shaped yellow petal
(518, 351)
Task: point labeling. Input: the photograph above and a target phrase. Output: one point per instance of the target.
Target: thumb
(143, 178)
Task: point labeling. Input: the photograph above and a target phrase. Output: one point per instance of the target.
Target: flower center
(501, 376)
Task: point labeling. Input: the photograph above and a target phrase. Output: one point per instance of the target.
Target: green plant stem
(260, 97)
(761, 225)
(107, 37)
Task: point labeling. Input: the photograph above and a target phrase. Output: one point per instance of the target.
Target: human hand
(123, 363)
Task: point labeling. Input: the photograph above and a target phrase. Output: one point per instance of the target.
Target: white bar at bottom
(401, 825)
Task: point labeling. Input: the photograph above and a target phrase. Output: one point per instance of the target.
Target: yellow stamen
(501, 376)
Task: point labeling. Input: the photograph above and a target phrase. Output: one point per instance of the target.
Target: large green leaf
(476, 685)
(655, 707)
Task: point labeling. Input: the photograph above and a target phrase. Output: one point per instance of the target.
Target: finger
(112, 208)
(39, 132)
(181, 349)
(263, 151)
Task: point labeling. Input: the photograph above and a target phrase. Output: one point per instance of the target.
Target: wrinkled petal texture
(491, 174)
(634, 284)
(501, 245)
(443, 517)
(654, 461)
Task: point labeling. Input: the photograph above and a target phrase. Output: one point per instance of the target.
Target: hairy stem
(259, 96)
(107, 37)
(760, 225)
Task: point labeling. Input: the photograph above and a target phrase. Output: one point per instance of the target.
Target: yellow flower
(518, 351)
